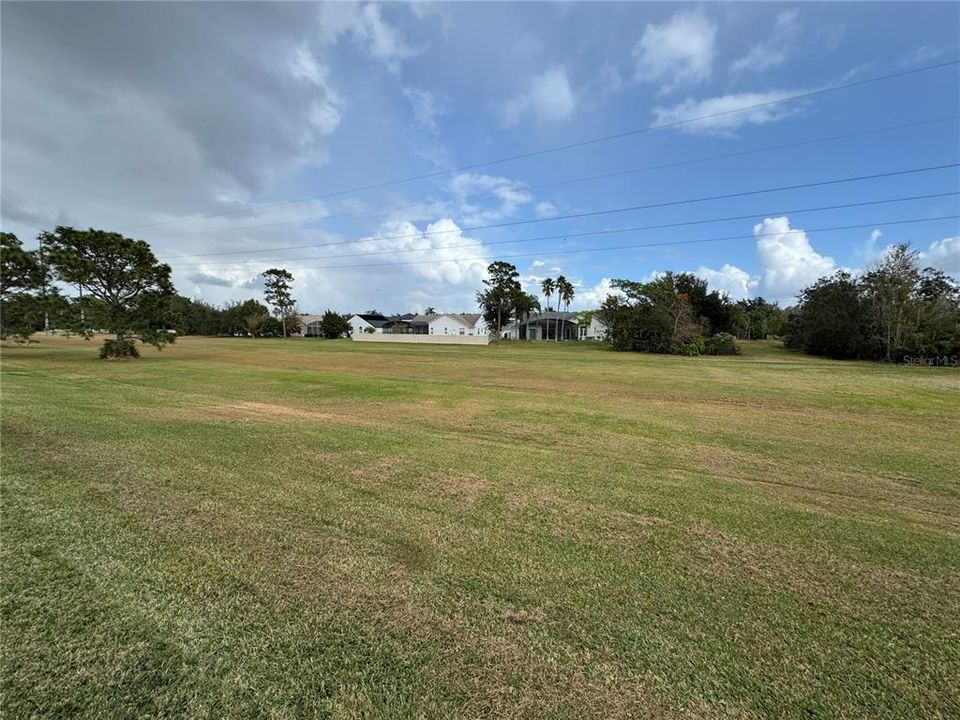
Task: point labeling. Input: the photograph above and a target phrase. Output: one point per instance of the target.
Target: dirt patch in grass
(248, 412)
(383, 471)
(465, 488)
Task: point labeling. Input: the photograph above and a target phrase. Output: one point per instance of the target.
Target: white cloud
(788, 259)
(411, 268)
(545, 209)
(588, 298)
(920, 55)
(468, 187)
(772, 50)
(870, 251)
(548, 98)
(366, 25)
(427, 107)
(726, 112)
(678, 52)
(944, 255)
(729, 279)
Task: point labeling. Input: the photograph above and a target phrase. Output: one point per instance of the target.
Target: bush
(722, 344)
(695, 347)
(118, 349)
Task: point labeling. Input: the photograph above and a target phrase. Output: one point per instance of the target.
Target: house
(545, 326)
(310, 325)
(590, 328)
(457, 324)
(368, 323)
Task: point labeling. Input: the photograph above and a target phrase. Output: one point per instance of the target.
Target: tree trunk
(283, 321)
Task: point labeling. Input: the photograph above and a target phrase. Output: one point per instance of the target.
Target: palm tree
(560, 284)
(565, 292)
(523, 304)
(547, 286)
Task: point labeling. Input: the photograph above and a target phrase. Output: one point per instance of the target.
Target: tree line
(676, 313)
(895, 311)
(122, 288)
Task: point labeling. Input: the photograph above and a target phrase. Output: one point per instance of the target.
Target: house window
(445, 329)
(462, 331)
(431, 329)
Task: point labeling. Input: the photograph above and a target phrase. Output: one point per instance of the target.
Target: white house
(457, 324)
(593, 330)
(360, 323)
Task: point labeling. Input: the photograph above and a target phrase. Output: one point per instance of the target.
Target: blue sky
(220, 114)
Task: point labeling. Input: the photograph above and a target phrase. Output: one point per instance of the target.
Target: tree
(547, 286)
(496, 301)
(522, 305)
(333, 325)
(830, 319)
(650, 317)
(251, 317)
(278, 292)
(565, 292)
(132, 289)
(23, 281)
(888, 293)
(894, 310)
(430, 311)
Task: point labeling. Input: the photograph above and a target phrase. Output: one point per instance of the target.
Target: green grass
(236, 528)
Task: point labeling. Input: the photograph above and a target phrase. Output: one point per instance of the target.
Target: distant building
(457, 324)
(368, 323)
(550, 325)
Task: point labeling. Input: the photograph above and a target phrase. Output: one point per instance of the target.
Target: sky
(371, 148)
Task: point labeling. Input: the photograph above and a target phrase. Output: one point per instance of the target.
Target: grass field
(237, 528)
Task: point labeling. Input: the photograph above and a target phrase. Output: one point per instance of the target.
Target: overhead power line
(597, 213)
(568, 181)
(567, 146)
(592, 233)
(561, 251)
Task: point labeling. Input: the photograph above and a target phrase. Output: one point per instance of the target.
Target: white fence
(423, 339)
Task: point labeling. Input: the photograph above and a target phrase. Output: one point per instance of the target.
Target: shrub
(722, 344)
(695, 347)
(118, 349)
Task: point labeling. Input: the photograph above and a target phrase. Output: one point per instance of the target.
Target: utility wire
(566, 236)
(596, 213)
(569, 181)
(567, 146)
(561, 251)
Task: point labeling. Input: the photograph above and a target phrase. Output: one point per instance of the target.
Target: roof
(468, 319)
(424, 318)
(375, 320)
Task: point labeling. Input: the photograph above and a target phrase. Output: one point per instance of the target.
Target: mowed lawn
(305, 528)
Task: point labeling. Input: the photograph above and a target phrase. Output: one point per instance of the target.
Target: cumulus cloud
(944, 255)
(468, 188)
(548, 98)
(773, 49)
(677, 52)
(99, 142)
(729, 279)
(587, 298)
(368, 28)
(722, 115)
(236, 277)
(788, 259)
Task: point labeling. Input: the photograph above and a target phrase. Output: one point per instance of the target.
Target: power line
(638, 246)
(567, 146)
(570, 181)
(613, 231)
(596, 213)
